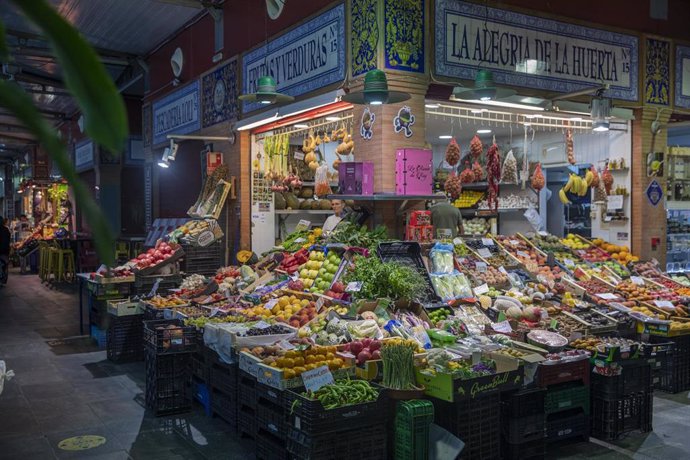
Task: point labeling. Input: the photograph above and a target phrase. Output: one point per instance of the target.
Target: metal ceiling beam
(103, 52)
(17, 138)
(49, 113)
(47, 53)
(187, 3)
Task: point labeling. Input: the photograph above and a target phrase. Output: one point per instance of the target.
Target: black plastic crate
(124, 340)
(202, 260)
(408, 253)
(566, 396)
(167, 383)
(524, 429)
(523, 402)
(311, 418)
(246, 421)
(569, 424)
(269, 446)
(674, 377)
(269, 394)
(224, 377)
(246, 389)
(551, 374)
(225, 407)
(199, 368)
(534, 450)
(366, 442)
(169, 336)
(633, 379)
(272, 418)
(612, 418)
(477, 422)
(144, 283)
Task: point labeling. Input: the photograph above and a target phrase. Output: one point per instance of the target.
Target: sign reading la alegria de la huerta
(532, 51)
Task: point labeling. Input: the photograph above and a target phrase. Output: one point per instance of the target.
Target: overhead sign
(83, 155)
(654, 192)
(177, 113)
(682, 83)
(532, 51)
(308, 57)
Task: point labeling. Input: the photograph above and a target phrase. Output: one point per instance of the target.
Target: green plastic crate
(412, 421)
(566, 396)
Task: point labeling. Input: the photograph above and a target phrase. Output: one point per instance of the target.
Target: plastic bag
(533, 217)
(451, 286)
(441, 256)
(509, 173)
(322, 186)
(4, 375)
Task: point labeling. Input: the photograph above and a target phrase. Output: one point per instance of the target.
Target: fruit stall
(513, 344)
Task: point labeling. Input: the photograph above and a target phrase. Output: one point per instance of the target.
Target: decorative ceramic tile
(682, 80)
(531, 51)
(404, 32)
(219, 90)
(657, 72)
(365, 35)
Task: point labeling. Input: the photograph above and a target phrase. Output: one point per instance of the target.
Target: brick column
(647, 221)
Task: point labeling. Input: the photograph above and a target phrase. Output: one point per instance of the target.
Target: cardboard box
(509, 375)
(414, 172)
(274, 377)
(249, 363)
(420, 233)
(420, 218)
(356, 178)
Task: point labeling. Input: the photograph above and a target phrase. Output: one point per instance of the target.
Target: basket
(612, 418)
(124, 340)
(169, 336)
(567, 396)
(552, 374)
(311, 418)
(569, 424)
(633, 379)
(412, 422)
(167, 383)
(366, 442)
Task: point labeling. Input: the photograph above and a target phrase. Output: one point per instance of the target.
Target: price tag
(316, 378)
(503, 270)
(607, 296)
(664, 304)
(523, 254)
(214, 312)
(262, 325)
(503, 326)
(615, 202)
(319, 303)
(300, 240)
(270, 304)
(543, 233)
(457, 241)
(480, 267)
(484, 253)
(514, 242)
(353, 286)
(487, 242)
(568, 262)
(483, 289)
(299, 155)
(637, 280)
(608, 218)
(285, 345)
(205, 238)
(303, 224)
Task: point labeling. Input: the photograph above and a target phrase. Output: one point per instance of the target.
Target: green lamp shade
(375, 91)
(266, 92)
(484, 88)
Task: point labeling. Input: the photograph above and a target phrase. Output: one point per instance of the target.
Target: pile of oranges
(620, 253)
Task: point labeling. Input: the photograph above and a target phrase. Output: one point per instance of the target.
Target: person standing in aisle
(446, 219)
(5, 238)
(338, 208)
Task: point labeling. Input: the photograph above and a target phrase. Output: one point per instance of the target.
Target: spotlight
(173, 150)
(164, 162)
(600, 111)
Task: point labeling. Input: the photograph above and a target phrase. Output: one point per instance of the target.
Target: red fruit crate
(551, 374)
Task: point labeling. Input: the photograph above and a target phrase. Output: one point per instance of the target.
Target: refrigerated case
(678, 240)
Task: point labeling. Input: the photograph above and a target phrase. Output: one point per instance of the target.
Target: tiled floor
(65, 387)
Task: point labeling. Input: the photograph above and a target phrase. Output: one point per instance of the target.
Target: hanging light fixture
(375, 91)
(266, 92)
(164, 162)
(484, 89)
(173, 150)
(600, 111)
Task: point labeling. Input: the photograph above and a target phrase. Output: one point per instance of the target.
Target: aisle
(66, 387)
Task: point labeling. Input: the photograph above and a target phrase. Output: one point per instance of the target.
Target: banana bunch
(575, 185)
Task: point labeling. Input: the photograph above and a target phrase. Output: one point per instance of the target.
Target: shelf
(489, 212)
(619, 170)
(303, 211)
(388, 197)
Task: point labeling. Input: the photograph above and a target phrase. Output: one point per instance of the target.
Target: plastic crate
(523, 402)
(674, 377)
(246, 389)
(524, 429)
(567, 396)
(100, 336)
(199, 368)
(202, 260)
(144, 283)
(224, 377)
(225, 407)
(124, 341)
(272, 418)
(633, 379)
(412, 421)
(569, 424)
(477, 422)
(246, 421)
(311, 418)
(269, 394)
(366, 442)
(202, 393)
(408, 253)
(612, 418)
(551, 374)
(167, 383)
(172, 337)
(534, 450)
(269, 446)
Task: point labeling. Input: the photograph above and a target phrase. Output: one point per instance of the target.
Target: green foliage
(390, 280)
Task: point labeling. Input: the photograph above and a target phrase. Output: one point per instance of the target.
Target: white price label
(483, 289)
(664, 304)
(484, 252)
(543, 233)
(480, 266)
(568, 262)
(514, 242)
(637, 280)
(262, 325)
(607, 296)
(615, 202)
(502, 270)
(353, 286)
(285, 345)
(487, 242)
(319, 303)
(303, 224)
(523, 254)
(316, 378)
(299, 155)
(270, 304)
(503, 326)
(457, 241)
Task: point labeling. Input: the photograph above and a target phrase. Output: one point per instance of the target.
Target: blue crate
(202, 394)
(100, 336)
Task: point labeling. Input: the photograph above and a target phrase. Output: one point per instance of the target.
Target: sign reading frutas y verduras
(308, 57)
(177, 113)
(532, 51)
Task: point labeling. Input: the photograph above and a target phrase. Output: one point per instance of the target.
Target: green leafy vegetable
(390, 280)
(351, 234)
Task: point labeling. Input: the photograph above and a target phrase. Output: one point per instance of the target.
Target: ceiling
(121, 31)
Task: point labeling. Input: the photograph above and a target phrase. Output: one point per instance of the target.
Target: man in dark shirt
(4, 250)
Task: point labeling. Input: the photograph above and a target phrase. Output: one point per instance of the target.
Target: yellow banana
(589, 177)
(569, 184)
(575, 189)
(583, 187)
(561, 196)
